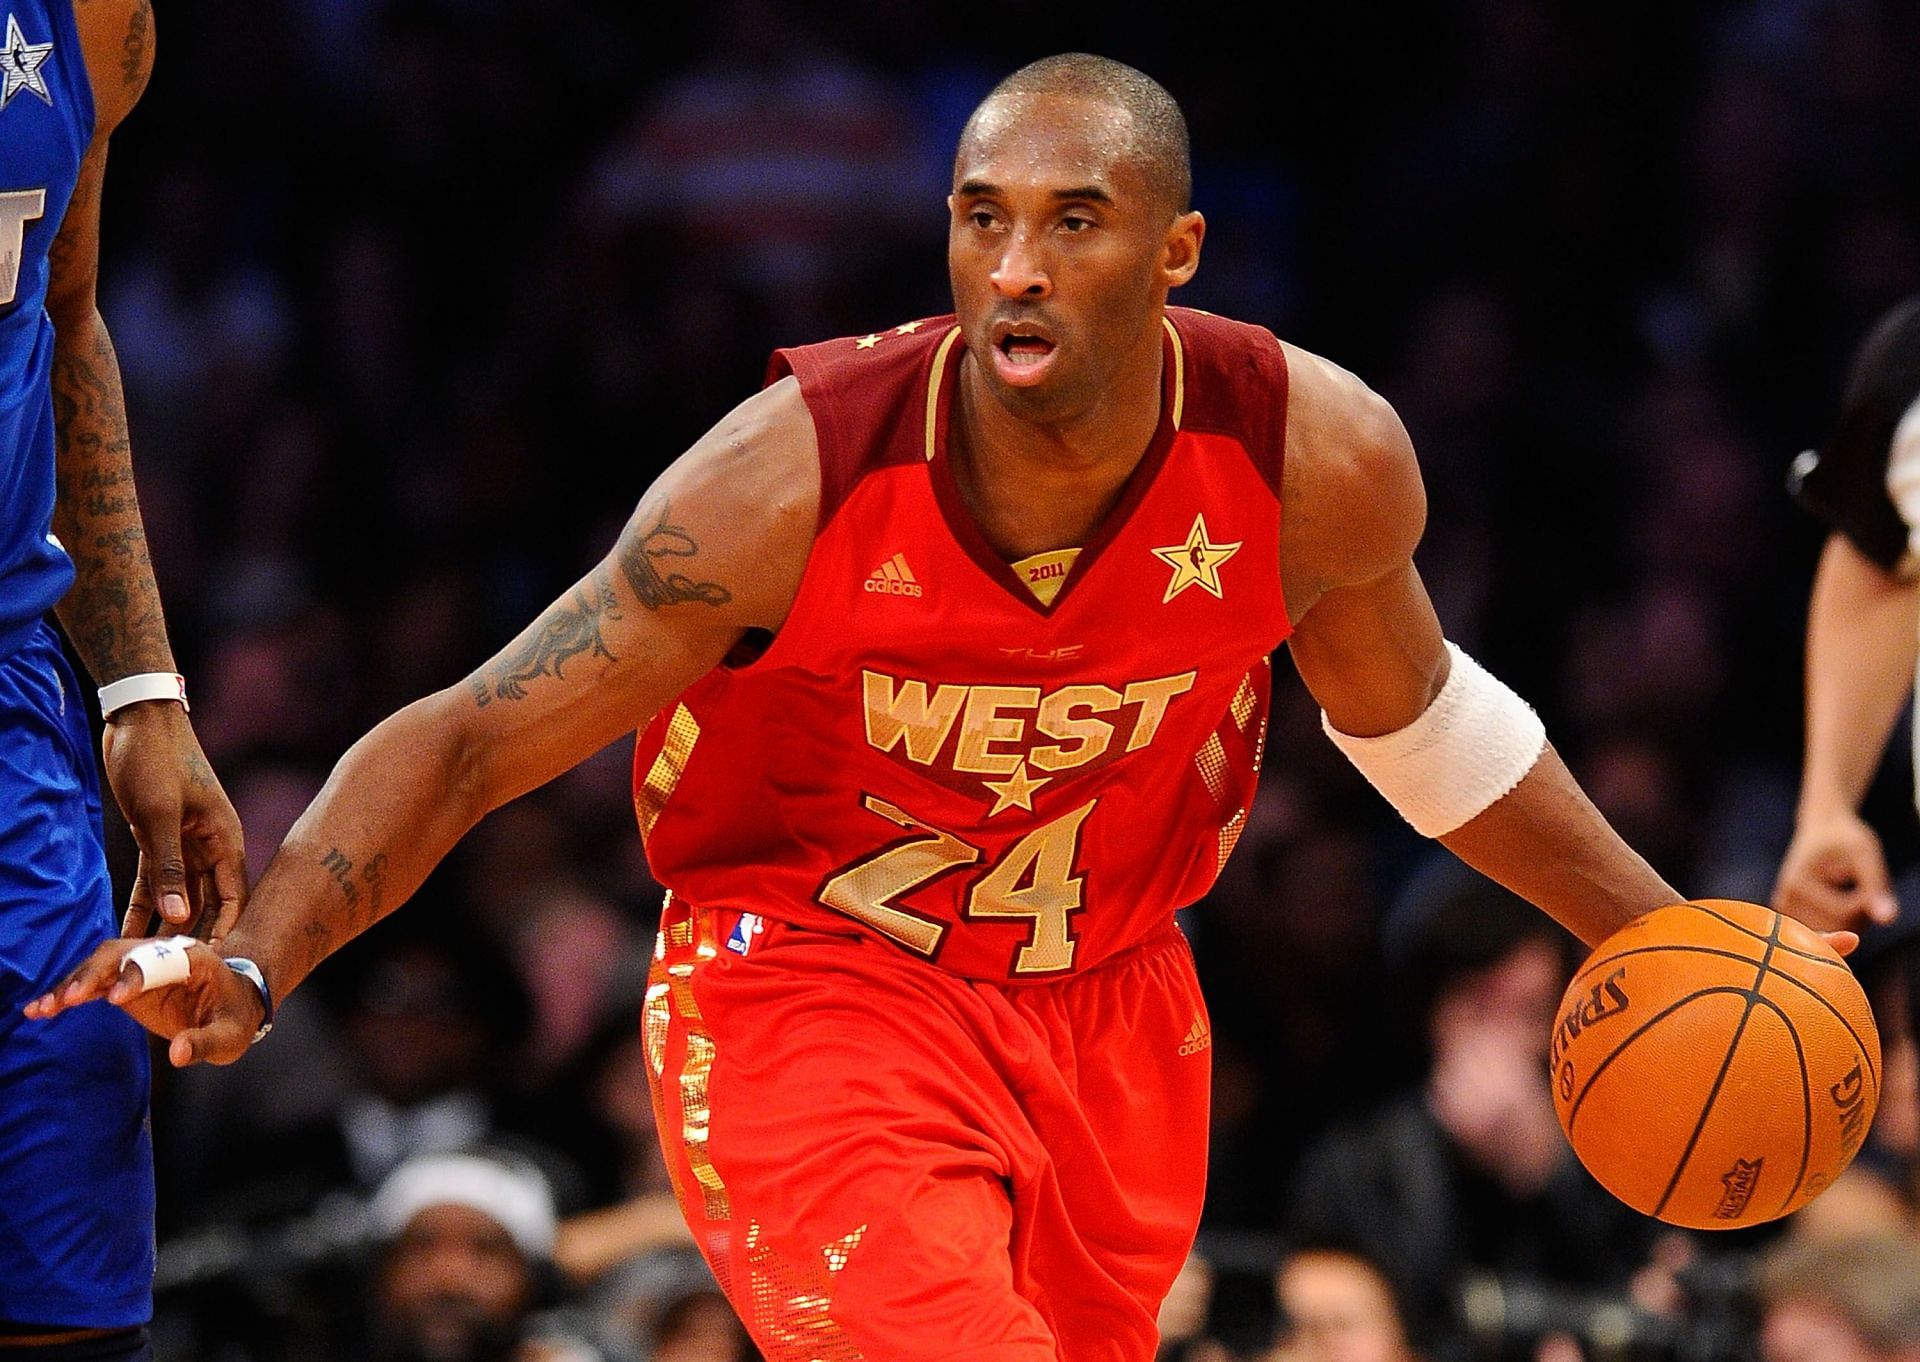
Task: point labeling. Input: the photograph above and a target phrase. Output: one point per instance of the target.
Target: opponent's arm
(1369, 647)
(716, 547)
(191, 852)
(1863, 632)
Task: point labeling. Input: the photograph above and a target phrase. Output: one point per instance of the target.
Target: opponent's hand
(209, 1017)
(192, 853)
(1835, 875)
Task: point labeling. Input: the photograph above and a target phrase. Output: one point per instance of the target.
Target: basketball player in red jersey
(951, 652)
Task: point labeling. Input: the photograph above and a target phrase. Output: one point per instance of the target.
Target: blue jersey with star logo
(46, 122)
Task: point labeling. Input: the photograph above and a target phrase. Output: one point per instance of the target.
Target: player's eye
(981, 218)
(1075, 225)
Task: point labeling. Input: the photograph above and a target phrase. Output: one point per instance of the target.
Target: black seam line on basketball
(1719, 1079)
(1573, 1113)
(1725, 954)
(1748, 931)
(1806, 1106)
(1595, 963)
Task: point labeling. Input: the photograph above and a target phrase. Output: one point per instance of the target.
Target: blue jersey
(76, 1168)
(46, 122)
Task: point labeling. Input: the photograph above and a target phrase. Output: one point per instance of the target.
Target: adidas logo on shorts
(894, 578)
(1198, 1038)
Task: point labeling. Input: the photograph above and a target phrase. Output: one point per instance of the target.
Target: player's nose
(1021, 273)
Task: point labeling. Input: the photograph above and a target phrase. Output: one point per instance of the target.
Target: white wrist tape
(1473, 744)
(161, 962)
(130, 690)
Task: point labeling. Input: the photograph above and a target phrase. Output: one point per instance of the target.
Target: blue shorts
(76, 1159)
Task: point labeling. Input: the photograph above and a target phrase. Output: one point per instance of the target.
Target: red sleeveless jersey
(926, 752)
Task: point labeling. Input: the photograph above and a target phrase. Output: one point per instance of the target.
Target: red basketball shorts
(886, 1162)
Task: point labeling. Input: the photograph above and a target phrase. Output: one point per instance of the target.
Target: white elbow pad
(1473, 744)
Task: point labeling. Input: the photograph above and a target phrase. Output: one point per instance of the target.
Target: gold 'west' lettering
(984, 725)
(993, 721)
(908, 713)
(1153, 697)
(1092, 736)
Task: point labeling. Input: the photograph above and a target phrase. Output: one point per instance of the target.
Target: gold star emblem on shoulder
(907, 328)
(1196, 562)
(867, 342)
(1015, 792)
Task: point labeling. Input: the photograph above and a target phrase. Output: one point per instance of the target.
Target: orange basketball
(1715, 1064)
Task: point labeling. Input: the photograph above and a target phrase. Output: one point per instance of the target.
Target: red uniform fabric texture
(921, 721)
(883, 1161)
(942, 1092)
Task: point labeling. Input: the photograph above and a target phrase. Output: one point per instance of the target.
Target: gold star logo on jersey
(20, 63)
(1015, 792)
(1196, 562)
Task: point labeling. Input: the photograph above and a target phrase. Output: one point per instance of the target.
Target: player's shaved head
(1155, 130)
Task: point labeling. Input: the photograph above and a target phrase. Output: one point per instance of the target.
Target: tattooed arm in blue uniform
(191, 854)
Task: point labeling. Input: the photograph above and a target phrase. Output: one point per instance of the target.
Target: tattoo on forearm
(113, 611)
(568, 629)
(363, 890)
(643, 560)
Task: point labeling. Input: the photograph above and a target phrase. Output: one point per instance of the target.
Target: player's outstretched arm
(192, 859)
(1370, 649)
(1861, 647)
(716, 548)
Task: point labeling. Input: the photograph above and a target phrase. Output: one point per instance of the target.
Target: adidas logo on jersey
(1198, 1037)
(894, 578)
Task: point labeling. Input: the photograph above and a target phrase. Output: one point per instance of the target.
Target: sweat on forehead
(1098, 99)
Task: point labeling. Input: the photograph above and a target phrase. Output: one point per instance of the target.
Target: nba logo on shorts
(744, 931)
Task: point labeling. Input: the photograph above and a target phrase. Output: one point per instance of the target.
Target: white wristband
(161, 962)
(1472, 745)
(128, 690)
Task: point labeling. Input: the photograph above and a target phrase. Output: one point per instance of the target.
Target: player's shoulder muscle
(1355, 505)
(730, 523)
(118, 39)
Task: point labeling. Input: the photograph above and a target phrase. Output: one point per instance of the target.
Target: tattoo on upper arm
(568, 629)
(134, 63)
(643, 560)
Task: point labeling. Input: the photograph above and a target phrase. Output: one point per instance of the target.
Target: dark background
(413, 299)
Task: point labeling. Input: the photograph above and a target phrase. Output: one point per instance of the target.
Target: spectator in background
(1469, 1174)
(1184, 1314)
(1849, 1300)
(1337, 1307)
(465, 1240)
(1862, 642)
(663, 1307)
(425, 1014)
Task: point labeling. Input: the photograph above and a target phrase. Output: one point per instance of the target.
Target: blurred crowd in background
(414, 297)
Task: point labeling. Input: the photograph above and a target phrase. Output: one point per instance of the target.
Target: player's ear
(1181, 258)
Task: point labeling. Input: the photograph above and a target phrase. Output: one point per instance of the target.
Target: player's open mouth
(1021, 355)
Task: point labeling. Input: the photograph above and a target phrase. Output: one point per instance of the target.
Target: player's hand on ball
(208, 1016)
(1835, 875)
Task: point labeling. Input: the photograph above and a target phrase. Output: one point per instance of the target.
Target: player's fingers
(163, 864)
(220, 1041)
(1873, 896)
(1843, 943)
(229, 878)
(90, 980)
(138, 919)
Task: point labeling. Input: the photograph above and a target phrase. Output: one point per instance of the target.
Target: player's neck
(1034, 487)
